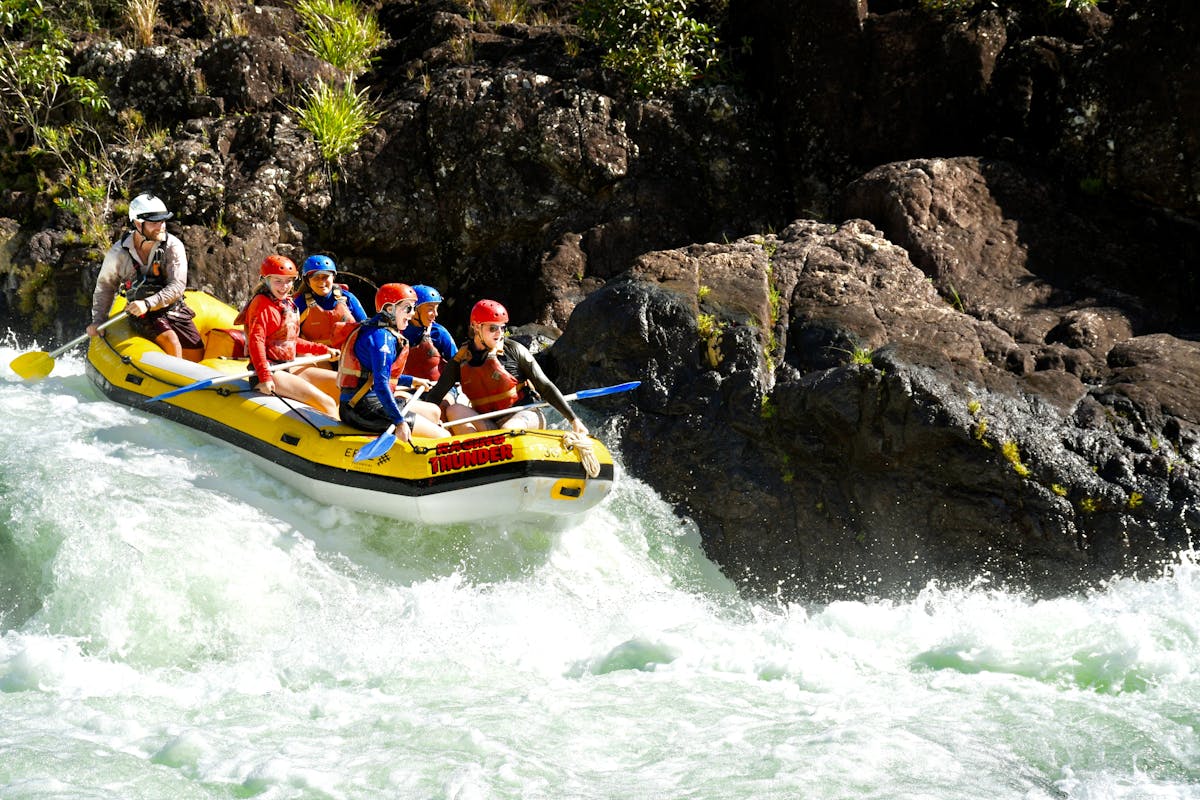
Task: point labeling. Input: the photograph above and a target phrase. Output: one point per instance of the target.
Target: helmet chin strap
(388, 312)
(140, 227)
(266, 284)
(478, 334)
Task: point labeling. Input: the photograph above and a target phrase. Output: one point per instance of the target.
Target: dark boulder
(849, 430)
(986, 365)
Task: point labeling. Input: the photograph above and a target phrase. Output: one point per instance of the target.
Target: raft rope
(324, 433)
(224, 390)
(580, 443)
(510, 433)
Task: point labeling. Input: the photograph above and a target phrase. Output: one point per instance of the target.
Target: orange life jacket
(327, 327)
(489, 386)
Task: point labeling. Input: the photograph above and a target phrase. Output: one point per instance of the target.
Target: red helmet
(488, 311)
(278, 265)
(393, 293)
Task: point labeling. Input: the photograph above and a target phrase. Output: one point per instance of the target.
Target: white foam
(179, 623)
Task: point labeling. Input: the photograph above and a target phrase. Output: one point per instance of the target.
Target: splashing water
(174, 623)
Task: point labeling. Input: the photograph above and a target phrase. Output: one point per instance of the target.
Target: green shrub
(339, 32)
(228, 18)
(654, 43)
(90, 15)
(502, 10)
(87, 197)
(711, 330)
(337, 117)
(35, 87)
(859, 355)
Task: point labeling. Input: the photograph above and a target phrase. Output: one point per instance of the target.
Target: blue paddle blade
(378, 447)
(198, 385)
(620, 387)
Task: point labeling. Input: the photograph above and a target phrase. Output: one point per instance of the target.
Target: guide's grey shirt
(121, 264)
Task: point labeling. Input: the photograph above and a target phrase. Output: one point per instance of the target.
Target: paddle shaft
(295, 362)
(84, 337)
(575, 396)
(411, 400)
(403, 410)
(207, 382)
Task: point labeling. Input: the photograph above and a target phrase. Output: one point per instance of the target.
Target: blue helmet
(427, 294)
(319, 264)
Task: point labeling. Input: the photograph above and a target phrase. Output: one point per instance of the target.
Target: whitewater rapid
(176, 624)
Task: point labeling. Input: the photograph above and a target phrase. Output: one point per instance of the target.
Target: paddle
(386, 439)
(37, 365)
(583, 394)
(204, 384)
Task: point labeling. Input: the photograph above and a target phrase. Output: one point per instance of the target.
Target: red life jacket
(327, 327)
(424, 360)
(489, 386)
(351, 373)
(281, 342)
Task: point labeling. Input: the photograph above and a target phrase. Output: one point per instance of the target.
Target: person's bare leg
(430, 430)
(297, 388)
(322, 378)
(169, 342)
(459, 411)
(529, 419)
(430, 411)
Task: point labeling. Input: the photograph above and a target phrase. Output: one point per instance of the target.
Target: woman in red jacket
(272, 327)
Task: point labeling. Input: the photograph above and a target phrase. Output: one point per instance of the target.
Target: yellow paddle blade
(33, 366)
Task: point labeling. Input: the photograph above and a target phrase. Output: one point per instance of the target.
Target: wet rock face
(249, 74)
(1142, 135)
(940, 319)
(876, 434)
(493, 145)
(1108, 99)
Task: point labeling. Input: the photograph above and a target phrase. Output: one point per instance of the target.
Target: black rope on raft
(126, 360)
(222, 389)
(324, 433)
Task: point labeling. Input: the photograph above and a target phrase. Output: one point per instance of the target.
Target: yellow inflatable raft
(531, 475)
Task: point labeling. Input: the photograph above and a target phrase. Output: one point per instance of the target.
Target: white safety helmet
(147, 207)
